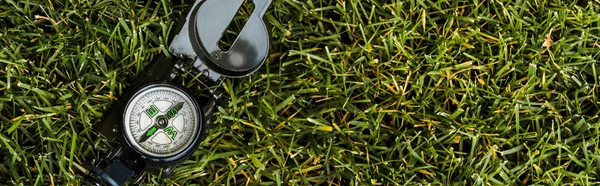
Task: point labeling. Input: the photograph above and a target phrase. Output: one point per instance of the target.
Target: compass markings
(177, 134)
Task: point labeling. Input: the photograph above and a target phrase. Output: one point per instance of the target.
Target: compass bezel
(174, 158)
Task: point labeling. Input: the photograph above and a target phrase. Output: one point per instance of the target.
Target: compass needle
(148, 134)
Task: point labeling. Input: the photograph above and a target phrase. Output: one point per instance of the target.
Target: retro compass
(158, 123)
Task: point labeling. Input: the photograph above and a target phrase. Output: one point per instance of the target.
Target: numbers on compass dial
(160, 121)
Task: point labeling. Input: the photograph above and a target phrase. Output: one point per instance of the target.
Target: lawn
(354, 92)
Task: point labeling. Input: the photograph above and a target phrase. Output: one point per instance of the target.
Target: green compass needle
(151, 131)
(162, 122)
(148, 133)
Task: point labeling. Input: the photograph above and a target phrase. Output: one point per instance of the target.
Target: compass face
(161, 121)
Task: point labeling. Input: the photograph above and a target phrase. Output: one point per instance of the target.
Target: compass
(157, 123)
(161, 121)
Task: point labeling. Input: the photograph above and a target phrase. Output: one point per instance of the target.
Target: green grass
(355, 92)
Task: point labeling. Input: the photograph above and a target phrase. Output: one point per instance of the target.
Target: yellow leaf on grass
(548, 41)
(456, 139)
(325, 128)
(427, 172)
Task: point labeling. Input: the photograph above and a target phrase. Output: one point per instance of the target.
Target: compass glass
(161, 121)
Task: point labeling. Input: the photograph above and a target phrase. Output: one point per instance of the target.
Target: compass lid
(207, 24)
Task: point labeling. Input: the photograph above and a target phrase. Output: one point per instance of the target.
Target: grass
(355, 92)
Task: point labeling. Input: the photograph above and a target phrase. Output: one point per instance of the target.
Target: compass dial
(161, 121)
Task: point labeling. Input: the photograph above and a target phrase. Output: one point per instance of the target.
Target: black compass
(158, 123)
